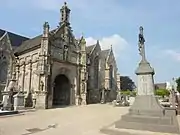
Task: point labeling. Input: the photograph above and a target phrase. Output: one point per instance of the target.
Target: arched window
(111, 76)
(96, 71)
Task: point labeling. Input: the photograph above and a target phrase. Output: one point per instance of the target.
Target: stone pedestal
(19, 101)
(146, 113)
(7, 105)
(77, 100)
(41, 100)
(83, 97)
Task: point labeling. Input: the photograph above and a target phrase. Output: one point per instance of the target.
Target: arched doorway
(61, 94)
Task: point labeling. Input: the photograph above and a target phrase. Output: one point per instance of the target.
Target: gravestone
(146, 113)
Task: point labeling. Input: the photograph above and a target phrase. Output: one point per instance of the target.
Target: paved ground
(82, 120)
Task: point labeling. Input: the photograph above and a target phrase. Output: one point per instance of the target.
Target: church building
(55, 68)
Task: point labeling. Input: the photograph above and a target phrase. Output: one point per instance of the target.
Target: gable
(105, 53)
(6, 52)
(93, 49)
(111, 58)
(89, 48)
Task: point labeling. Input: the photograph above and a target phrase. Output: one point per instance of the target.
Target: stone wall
(28, 77)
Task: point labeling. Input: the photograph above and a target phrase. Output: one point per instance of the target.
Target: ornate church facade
(55, 68)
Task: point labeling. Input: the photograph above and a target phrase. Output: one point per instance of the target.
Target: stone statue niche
(65, 52)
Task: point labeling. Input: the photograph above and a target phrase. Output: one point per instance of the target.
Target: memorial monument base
(147, 114)
(167, 123)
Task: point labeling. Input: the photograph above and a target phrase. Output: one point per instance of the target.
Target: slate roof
(105, 53)
(16, 40)
(89, 48)
(31, 43)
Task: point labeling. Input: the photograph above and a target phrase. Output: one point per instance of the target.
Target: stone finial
(82, 44)
(46, 28)
(46, 25)
(65, 14)
(111, 48)
(65, 3)
(83, 41)
(97, 42)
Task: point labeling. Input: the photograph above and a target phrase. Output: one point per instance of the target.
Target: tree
(178, 84)
(127, 83)
(162, 92)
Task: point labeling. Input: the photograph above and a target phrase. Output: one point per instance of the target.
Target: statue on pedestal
(65, 53)
(141, 43)
(41, 87)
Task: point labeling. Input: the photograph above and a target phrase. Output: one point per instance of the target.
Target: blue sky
(113, 22)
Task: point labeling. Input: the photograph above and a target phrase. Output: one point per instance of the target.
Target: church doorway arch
(62, 91)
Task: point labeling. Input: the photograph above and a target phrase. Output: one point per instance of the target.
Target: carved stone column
(23, 74)
(17, 73)
(28, 98)
(30, 74)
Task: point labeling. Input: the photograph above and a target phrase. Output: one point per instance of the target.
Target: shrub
(128, 93)
(162, 92)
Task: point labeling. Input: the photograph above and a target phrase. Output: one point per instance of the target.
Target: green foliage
(128, 93)
(125, 92)
(162, 92)
(178, 84)
(133, 93)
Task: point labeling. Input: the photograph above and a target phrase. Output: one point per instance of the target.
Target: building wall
(94, 80)
(28, 77)
(111, 62)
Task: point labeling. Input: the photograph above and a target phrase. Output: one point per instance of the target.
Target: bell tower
(65, 15)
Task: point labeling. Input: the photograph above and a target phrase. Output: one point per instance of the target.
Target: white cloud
(118, 43)
(174, 54)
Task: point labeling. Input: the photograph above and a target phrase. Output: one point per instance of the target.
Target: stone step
(116, 131)
(147, 126)
(148, 119)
